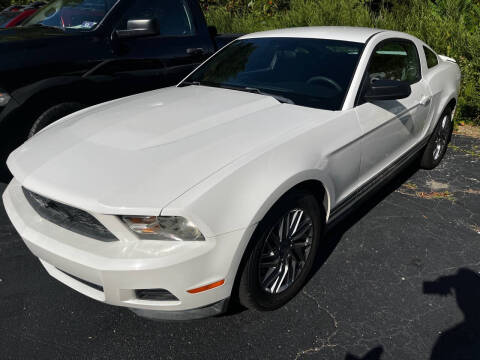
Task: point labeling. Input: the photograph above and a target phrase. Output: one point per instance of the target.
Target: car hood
(137, 154)
(21, 34)
(31, 54)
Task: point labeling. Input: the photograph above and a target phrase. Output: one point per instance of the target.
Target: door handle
(195, 51)
(425, 100)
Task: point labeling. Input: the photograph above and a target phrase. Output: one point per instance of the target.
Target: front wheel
(438, 143)
(284, 252)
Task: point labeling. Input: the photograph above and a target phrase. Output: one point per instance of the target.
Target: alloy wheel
(285, 251)
(441, 139)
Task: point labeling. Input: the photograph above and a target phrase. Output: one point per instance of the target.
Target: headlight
(4, 98)
(163, 228)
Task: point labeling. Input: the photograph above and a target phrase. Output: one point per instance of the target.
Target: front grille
(68, 217)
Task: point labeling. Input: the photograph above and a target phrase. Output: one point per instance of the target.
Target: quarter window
(431, 57)
(395, 60)
(173, 17)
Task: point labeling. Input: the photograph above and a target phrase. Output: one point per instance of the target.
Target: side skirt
(354, 199)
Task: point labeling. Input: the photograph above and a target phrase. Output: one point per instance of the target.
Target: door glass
(78, 15)
(173, 17)
(395, 61)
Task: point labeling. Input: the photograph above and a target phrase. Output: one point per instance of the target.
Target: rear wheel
(286, 244)
(438, 143)
(53, 114)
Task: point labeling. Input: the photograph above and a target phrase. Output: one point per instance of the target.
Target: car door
(392, 127)
(165, 58)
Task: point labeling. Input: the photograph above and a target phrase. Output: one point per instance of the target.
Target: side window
(431, 57)
(173, 16)
(395, 60)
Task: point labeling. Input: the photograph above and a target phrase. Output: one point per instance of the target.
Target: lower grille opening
(85, 282)
(155, 294)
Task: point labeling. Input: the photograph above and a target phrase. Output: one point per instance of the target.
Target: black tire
(53, 114)
(251, 292)
(438, 143)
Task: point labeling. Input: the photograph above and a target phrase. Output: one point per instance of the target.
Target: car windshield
(5, 18)
(307, 72)
(71, 14)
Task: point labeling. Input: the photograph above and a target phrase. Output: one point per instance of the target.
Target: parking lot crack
(320, 343)
(310, 296)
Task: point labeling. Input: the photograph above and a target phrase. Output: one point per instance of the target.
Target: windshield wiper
(188, 83)
(280, 98)
(198, 83)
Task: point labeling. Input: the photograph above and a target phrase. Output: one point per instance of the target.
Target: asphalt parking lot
(398, 279)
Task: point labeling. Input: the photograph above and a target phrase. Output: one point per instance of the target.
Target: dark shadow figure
(461, 342)
(373, 354)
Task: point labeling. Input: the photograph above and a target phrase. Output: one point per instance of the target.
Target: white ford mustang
(172, 202)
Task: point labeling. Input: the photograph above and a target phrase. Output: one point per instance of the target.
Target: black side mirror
(137, 28)
(387, 90)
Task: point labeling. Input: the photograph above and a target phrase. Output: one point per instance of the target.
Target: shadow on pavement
(461, 342)
(337, 231)
(373, 354)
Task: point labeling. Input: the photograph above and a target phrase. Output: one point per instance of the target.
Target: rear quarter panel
(444, 82)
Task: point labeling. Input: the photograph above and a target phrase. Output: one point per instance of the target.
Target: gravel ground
(398, 279)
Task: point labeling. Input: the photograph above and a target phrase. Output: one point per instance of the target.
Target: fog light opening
(155, 294)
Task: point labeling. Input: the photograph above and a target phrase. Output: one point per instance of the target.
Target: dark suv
(76, 53)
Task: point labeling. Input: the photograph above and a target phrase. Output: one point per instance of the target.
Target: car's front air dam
(217, 308)
(177, 268)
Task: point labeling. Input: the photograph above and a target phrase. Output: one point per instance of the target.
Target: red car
(14, 16)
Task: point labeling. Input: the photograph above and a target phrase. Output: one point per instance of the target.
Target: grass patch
(410, 186)
(472, 152)
(435, 195)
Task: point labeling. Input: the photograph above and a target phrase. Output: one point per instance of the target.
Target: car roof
(345, 33)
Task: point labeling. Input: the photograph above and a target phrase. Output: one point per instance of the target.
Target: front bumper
(207, 311)
(110, 272)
